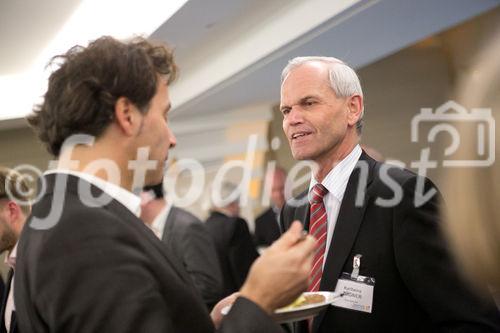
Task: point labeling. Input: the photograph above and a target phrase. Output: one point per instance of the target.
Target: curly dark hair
(82, 92)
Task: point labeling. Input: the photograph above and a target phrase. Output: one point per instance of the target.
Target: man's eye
(285, 111)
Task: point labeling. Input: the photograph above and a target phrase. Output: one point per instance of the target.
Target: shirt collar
(336, 180)
(131, 201)
(158, 225)
(10, 259)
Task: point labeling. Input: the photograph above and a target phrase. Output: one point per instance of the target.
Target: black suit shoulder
(265, 215)
(193, 245)
(184, 216)
(266, 228)
(235, 248)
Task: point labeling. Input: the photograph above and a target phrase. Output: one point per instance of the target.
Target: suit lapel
(274, 229)
(139, 225)
(4, 300)
(13, 323)
(346, 229)
(301, 213)
(169, 225)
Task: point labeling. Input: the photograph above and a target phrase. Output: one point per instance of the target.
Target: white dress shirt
(128, 199)
(158, 225)
(336, 183)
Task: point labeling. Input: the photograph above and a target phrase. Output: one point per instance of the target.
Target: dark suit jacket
(235, 248)
(101, 269)
(188, 239)
(2, 287)
(266, 228)
(5, 295)
(417, 287)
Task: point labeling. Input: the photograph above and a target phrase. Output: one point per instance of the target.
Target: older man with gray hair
(387, 257)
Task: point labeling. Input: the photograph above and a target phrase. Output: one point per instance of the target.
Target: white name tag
(357, 294)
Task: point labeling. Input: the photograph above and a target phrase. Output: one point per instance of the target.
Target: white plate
(302, 312)
(284, 315)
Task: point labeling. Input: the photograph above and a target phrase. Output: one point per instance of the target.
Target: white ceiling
(32, 32)
(26, 27)
(198, 22)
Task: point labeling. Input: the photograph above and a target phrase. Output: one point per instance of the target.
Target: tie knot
(317, 193)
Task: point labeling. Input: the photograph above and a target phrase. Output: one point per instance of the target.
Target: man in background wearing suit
(186, 236)
(86, 262)
(14, 209)
(266, 225)
(232, 238)
(398, 273)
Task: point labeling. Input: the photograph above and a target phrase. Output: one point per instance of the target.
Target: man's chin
(301, 156)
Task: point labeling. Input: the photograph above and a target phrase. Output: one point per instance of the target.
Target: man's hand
(279, 276)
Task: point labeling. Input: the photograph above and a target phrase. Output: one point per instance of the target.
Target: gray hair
(343, 79)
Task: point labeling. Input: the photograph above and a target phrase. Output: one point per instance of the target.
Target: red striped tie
(318, 228)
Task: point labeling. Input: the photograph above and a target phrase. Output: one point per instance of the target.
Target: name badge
(356, 291)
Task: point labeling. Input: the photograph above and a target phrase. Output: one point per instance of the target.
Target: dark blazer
(417, 287)
(266, 228)
(5, 295)
(101, 269)
(2, 287)
(235, 248)
(188, 239)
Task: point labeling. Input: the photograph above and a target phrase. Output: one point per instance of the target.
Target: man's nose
(295, 116)
(173, 140)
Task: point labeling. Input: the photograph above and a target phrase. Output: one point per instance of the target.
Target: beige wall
(20, 146)
(396, 88)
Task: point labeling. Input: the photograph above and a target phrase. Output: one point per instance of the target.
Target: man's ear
(355, 107)
(128, 117)
(14, 212)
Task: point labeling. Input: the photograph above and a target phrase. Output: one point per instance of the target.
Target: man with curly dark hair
(94, 266)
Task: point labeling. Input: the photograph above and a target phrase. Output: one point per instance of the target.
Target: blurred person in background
(86, 262)
(186, 236)
(473, 193)
(233, 241)
(15, 195)
(266, 225)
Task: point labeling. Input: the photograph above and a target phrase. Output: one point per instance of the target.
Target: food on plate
(305, 299)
